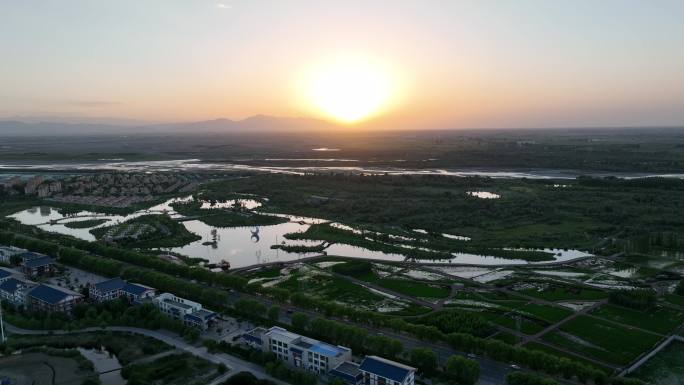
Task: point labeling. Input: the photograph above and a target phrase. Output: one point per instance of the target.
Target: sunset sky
(385, 64)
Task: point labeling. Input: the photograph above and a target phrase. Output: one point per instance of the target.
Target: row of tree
(640, 299)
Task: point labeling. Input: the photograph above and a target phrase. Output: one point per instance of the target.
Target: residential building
(7, 252)
(14, 290)
(35, 265)
(298, 351)
(43, 190)
(32, 184)
(189, 312)
(55, 187)
(116, 288)
(50, 298)
(380, 371)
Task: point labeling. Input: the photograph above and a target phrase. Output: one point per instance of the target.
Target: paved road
(235, 364)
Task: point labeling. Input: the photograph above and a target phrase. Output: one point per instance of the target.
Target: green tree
(274, 312)
(424, 359)
(462, 370)
(300, 321)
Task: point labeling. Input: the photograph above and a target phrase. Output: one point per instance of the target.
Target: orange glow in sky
(407, 64)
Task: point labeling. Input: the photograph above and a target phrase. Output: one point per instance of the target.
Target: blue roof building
(348, 372)
(14, 290)
(116, 287)
(36, 264)
(377, 371)
(52, 299)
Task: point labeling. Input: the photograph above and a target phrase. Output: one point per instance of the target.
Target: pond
(483, 194)
(249, 204)
(246, 246)
(106, 364)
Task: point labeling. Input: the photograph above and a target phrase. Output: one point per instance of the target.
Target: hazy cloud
(93, 103)
(222, 6)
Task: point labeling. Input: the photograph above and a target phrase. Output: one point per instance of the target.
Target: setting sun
(350, 90)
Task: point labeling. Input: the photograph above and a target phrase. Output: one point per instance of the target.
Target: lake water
(246, 246)
(197, 165)
(49, 219)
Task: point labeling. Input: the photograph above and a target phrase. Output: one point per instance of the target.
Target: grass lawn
(331, 288)
(364, 271)
(550, 314)
(411, 310)
(660, 319)
(413, 288)
(566, 293)
(562, 354)
(500, 296)
(602, 340)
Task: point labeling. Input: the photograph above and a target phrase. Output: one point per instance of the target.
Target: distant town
(118, 190)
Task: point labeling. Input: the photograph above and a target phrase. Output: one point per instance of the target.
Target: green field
(551, 314)
(559, 353)
(330, 288)
(506, 337)
(414, 288)
(660, 319)
(509, 320)
(665, 368)
(604, 341)
(566, 293)
(365, 271)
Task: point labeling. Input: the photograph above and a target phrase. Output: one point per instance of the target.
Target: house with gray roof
(297, 350)
(189, 312)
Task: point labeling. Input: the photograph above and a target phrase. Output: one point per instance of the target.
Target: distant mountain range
(257, 123)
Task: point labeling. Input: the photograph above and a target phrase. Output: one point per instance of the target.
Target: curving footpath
(234, 364)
